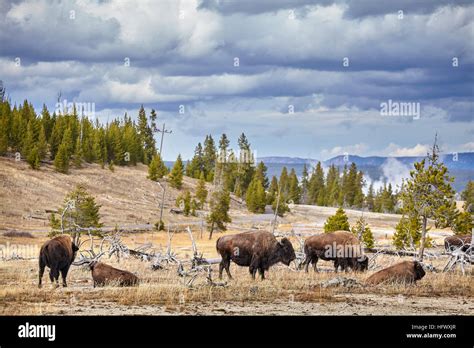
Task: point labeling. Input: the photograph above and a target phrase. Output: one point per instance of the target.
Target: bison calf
(403, 272)
(57, 254)
(103, 274)
(257, 249)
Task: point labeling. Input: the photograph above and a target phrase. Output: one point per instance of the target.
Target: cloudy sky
(299, 77)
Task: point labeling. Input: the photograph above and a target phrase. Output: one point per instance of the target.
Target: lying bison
(58, 254)
(403, 272)
(340, 246)
(103, 274)
(257, 249)
(452, 243)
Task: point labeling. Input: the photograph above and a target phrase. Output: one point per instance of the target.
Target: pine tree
(316, 186)
(68, 141)
(468, 197)
(156, 168)
(85, 212)
(279, 205)
(78, 153)
(145, 132)
(219, 211)
(332, 186)
(255, 196)
(369, 200)
(407, 233)
(61, 161)
(246, 164)
(186, 199)
(463, 224)
(272, 190)
(293, 187)
(261, 174)
(363, 232)
(337, 222)
(176, 175)
(29, 140)
(428, 194)
(196, 166)
(304, 185)
(209, 158)
(284, 184)
(42, 143)
(201, 192)
(33, 158)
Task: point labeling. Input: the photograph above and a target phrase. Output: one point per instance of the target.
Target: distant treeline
(237, 174)
(65, 137)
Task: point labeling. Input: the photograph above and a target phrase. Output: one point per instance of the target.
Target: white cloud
(398, 151)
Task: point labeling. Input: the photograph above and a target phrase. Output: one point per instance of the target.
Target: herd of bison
(258, 250)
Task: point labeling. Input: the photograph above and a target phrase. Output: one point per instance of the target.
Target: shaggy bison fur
(103, 274)
(57, 254)
(340, 246)
(256, 249)
(403, 272)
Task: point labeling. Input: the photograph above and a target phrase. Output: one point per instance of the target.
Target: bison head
(287, 253)
(362, 263)
(419, 271)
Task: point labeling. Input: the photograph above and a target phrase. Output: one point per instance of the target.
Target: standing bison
(257, 249)
(58, 254)
(103, 274)
(403, 272)
(452, 243)
(340, 246)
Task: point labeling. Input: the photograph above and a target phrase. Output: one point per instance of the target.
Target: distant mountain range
(379, 169)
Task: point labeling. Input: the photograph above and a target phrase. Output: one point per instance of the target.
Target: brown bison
(403, 272)
(257, 249)
(103, 274)
(58, 254)
(340, 246)
(452, 243)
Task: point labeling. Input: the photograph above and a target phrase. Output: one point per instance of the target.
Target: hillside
(127, 197)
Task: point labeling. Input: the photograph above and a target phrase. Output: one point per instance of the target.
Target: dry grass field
(284, 292)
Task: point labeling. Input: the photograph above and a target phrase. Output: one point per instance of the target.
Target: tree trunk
(423, 238)
(212, 230)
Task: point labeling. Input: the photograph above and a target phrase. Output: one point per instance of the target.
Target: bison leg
(221, 268)
(64, 275)
(261, 271)
(336, 265)
(41, 272)
(224, 264)
(315, 263)
(54, 275)
(306, 263)
(252, 271)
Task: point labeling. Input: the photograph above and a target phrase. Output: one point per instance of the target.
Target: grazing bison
(58, 254)
(257, 249)
(452, 243)
(340, 246)
(103, 274)
(403, 272)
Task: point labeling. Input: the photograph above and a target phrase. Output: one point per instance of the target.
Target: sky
(300, 78)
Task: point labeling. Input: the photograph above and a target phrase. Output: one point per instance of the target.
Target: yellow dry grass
(164, 292)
